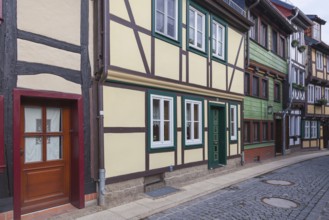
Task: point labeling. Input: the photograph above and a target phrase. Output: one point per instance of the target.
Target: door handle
(21, 151)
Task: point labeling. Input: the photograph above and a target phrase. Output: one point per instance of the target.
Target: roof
(318, 45)
(301, 20)
(273, 14)
(317, 19)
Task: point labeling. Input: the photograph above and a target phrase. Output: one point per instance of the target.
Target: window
(233, 123)
(253, 30)
(310, 93)
(314, 129)
(166, 18)
(282, 47)
(327, 64)
(326, 94)
(317, 93)
(274, 41)
(294, 75)
(264, 88)
(301, 78)
(218, 40)
(256, 131)
(193, 122)
(161, 121)
(265, 131)
(307, 131)
(197, 33)
(263, 35)
(316, 33)
(277, 93)
(246, 129)
(255, 86)
(319, 61)
(246, 84)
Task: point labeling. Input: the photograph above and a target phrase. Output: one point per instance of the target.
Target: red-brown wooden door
(45, 157)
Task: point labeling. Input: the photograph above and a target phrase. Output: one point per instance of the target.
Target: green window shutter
(319, 124)
(303, 128)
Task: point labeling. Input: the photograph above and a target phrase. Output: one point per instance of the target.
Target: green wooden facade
(268, 58)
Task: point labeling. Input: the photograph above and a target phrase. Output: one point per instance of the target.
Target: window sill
(197, 51)
(167, 39)
(193, 146)
(233, 141)
(256, 42)
(161, 149)
(219, 60)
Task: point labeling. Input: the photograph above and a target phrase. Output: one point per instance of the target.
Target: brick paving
(310, 190)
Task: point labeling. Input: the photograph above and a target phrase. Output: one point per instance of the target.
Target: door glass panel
(54, 120)
(54, 148)
(33, 149)
(33, 119)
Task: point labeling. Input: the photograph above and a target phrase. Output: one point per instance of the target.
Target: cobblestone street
(303, 186)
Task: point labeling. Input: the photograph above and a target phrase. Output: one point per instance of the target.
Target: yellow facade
(118, 111)
(124, 153)
(162, 160)
(142, 62)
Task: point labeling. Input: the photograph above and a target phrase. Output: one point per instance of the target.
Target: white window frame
(193, 141)
(166, 15)
(317, 93)
(307, 130)
(233, 123)
(314, 129)
(162, 143)
(310, 93)
(319, 60)
(295, 75)
(216, 39)
(195, 43)
(316, 31)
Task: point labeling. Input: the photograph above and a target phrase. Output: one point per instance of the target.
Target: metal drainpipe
(103, 76)
(285, 112)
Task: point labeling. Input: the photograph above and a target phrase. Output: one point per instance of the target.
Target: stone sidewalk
(144, 207)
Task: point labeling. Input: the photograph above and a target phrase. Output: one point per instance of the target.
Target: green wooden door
(217, 143)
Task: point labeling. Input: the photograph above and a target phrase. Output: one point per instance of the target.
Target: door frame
(77, 144)
(220, 107)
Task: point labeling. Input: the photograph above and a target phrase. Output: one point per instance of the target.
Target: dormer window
(316, 32)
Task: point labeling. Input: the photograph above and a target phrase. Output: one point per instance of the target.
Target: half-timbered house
(173, 96)
(315, 121)
(266, 70)
(297, 64)
(45, 79)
